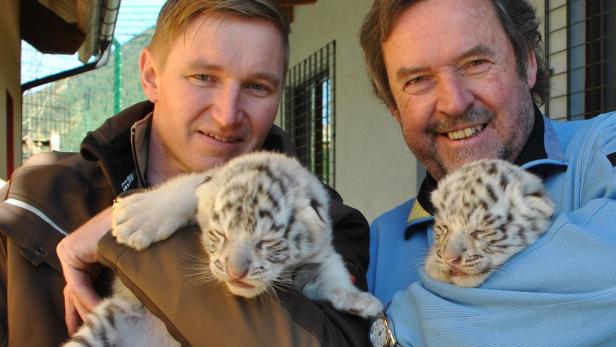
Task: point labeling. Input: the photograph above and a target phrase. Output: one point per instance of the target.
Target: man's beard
(474, 114)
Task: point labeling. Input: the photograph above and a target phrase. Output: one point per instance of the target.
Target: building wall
(9, 79)
(374, 169)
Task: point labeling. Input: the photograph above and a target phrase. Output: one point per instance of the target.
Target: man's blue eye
(202, 77)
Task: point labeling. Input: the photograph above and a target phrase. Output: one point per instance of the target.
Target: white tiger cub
(484, 213)
(265, 223)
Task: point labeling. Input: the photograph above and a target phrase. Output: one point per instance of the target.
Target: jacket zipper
(140, 178)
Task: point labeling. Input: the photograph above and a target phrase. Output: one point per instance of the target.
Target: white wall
(9, 78)
(374, 169)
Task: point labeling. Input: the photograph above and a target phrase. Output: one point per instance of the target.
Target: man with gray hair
(464, 78)
(213, 75)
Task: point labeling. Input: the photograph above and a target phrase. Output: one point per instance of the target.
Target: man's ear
(531, 69)
(149, 75)
(394, 112)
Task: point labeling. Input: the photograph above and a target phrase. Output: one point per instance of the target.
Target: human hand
(78, 256)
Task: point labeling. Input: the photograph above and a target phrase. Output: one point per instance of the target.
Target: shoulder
(396, 216)
(57, 168)
(43, 167)
(590, 150)
(598, 132)
(64, 186)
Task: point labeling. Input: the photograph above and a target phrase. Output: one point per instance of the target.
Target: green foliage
(73, 106)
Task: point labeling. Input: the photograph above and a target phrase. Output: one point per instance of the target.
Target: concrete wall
(9, 78)
(374, 169)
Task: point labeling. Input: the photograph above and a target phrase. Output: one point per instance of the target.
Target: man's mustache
(474, 114)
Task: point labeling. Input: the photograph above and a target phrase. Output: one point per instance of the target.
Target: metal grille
(581, 53)
(57, 115)
(308, 111)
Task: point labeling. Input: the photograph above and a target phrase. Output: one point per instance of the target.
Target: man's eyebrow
(199, 65)
(478, 50)
(404, 72)
(267, 76)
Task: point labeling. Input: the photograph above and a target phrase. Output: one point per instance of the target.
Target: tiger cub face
(261, 216)
(485, 212)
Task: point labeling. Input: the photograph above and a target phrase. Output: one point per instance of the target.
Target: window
(581, 53)
(308, 111)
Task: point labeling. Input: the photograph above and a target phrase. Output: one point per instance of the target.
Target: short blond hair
(175, 16)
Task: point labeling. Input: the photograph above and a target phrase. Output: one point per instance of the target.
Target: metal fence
(308, 111)
(57, 115)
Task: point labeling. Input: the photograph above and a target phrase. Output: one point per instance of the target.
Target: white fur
(229, 201)
(461, 229)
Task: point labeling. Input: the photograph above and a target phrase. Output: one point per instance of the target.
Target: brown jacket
(55, 193)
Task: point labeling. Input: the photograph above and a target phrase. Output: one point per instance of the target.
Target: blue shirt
(561, 291)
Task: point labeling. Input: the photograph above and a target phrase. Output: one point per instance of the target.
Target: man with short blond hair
(213, 76)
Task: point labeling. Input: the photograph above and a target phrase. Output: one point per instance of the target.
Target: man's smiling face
(459, 95)
(217, 94)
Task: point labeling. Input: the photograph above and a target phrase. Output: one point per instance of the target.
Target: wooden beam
(46, 31)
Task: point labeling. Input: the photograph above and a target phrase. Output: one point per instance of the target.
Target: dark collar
(111, 146)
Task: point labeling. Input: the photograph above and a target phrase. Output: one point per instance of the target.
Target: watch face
(378, 332)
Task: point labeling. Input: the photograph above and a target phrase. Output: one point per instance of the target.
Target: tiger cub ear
(206, 195)
(312, 214)
(537, 196)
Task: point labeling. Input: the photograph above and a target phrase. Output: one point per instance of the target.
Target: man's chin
(450, 164)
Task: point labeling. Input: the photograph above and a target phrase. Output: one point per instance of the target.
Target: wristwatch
(381, 334)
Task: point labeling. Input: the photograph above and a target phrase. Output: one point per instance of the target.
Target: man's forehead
(444, 24)
(217, 43)
(425, 11)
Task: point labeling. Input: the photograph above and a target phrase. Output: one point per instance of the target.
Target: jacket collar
(120, 146)
(542, 149)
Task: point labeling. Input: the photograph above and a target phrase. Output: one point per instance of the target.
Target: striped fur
(121, 320)
(265, 225)
(485, 212)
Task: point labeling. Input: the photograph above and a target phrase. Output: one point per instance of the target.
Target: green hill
(73, 106)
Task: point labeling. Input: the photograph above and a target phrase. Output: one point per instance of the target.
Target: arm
(204, 313)
(77, 254)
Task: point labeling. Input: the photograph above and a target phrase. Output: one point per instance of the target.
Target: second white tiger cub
(485, 212)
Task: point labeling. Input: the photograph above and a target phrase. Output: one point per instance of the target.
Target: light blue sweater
(561, 291)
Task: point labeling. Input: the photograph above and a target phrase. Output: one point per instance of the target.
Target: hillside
(75, 105)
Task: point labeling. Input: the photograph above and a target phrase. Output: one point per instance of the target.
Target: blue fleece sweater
(561, 291)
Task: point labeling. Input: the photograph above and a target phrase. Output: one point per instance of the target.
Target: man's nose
(454, 95)
(226, 110)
